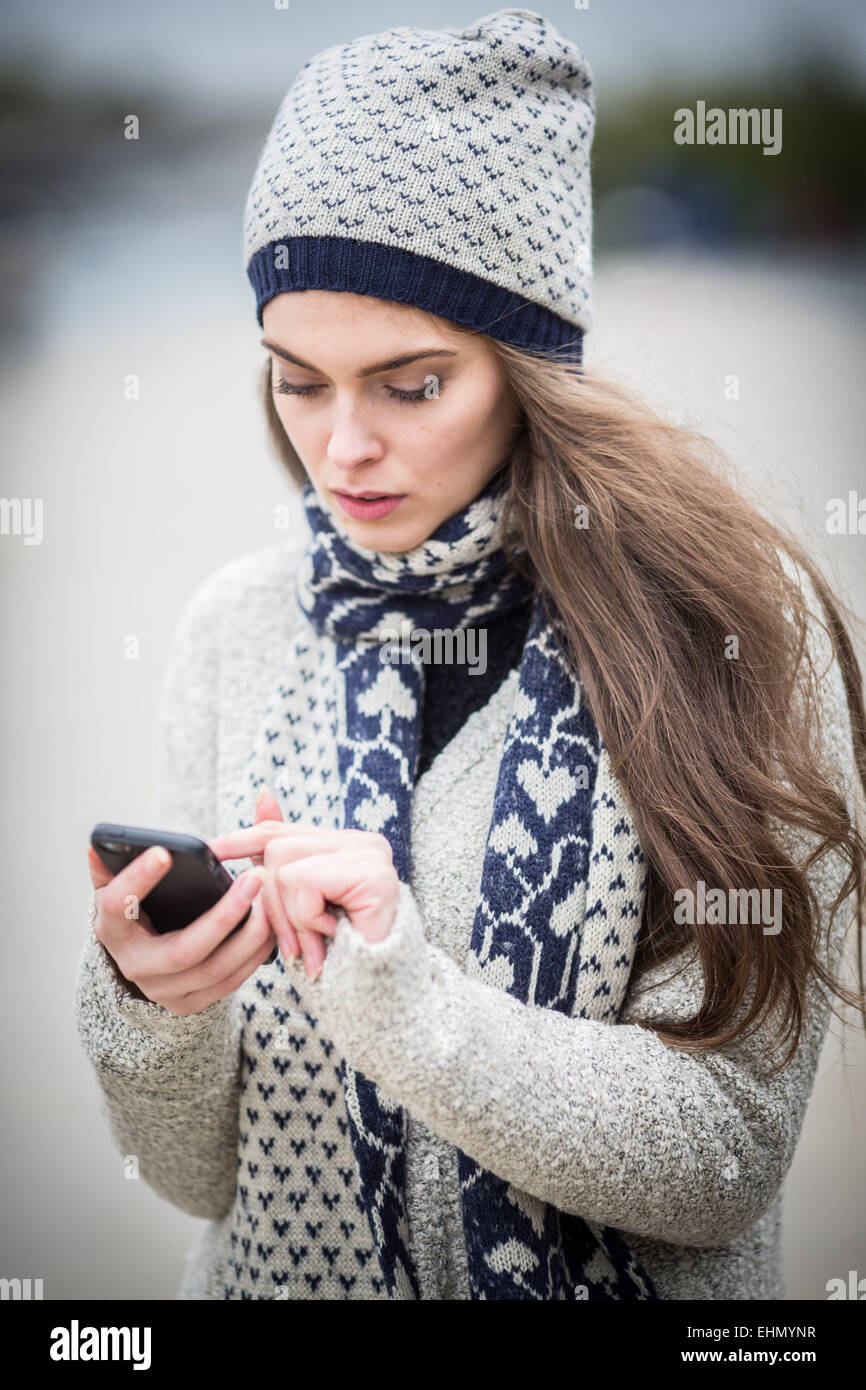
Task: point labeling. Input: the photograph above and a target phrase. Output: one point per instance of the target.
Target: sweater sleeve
(604, 1121)
(170, 1084)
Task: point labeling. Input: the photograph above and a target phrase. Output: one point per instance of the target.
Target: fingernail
(263, 791)
(159, 856)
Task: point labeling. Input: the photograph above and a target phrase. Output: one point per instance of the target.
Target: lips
(369, 509)
(365, 496)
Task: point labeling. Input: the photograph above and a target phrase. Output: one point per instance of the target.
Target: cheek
(297, 427)
(463, 427)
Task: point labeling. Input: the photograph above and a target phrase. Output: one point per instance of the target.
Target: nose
(351, 441)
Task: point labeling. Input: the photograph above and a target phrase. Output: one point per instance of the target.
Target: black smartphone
(195, 882)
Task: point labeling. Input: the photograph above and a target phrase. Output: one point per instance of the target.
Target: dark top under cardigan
(453, 692)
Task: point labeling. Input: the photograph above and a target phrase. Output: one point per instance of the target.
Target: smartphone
(195, 882)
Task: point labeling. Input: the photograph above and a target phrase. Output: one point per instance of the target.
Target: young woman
(546, 761)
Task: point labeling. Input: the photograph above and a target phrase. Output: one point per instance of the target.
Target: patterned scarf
(546, 943)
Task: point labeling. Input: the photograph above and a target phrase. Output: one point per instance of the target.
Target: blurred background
(729, 289)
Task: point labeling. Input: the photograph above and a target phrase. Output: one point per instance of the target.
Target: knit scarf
(533, 923)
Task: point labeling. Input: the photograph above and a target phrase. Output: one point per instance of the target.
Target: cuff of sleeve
(128, 1034)
(371, 995)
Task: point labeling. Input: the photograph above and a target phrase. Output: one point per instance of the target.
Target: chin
(384, 534)
(373, 536)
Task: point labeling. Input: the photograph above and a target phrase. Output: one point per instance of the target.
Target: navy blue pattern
(448, 169)
(532, 904)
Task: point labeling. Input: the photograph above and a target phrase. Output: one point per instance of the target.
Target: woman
(546, 763)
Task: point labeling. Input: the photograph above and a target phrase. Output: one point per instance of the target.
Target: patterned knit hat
(447, 169)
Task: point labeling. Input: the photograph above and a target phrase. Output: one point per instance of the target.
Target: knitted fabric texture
(454, 691)
(446, 169)
(534, 933)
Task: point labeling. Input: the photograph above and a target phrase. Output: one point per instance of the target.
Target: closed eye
(287, 389)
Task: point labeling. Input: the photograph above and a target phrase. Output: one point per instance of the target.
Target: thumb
(267, 808)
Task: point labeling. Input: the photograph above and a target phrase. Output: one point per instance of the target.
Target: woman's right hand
(184, 970)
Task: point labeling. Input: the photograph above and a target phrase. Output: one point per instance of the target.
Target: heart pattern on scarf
(559, 909)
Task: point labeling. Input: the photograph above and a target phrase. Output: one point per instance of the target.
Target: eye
(419, 395)
(287, 389)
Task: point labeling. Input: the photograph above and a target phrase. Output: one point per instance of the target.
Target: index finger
(240, 843)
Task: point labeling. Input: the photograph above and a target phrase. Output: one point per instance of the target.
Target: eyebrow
(388, 366)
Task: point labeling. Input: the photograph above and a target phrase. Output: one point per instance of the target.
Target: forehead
(354, 324)
(311, 307)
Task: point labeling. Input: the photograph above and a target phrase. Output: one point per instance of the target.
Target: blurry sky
(238, 53)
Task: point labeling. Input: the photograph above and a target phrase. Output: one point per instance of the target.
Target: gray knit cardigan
(237, 1115)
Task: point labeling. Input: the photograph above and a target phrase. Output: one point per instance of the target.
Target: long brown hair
(672, 563)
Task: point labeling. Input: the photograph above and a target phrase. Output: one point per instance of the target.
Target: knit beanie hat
(447, 169)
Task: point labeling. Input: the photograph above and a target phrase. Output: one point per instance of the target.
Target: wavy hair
(673, 562)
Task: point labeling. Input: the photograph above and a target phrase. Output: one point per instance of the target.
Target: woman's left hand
(310, 867)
